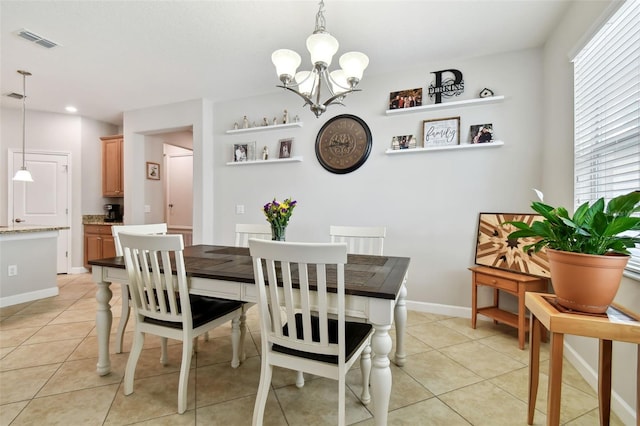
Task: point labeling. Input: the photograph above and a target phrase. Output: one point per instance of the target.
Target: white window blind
(607, 112)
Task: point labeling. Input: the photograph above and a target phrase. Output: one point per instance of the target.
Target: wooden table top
(370, 276)
(619, 323)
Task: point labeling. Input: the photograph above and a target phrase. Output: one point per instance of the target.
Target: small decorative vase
(278, 232)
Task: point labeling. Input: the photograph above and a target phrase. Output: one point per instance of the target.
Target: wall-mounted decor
(449, 85)
(343, 144)
(284, 148)
(405, 99)
(481, 133)
(496, 250)
(153, 171)
(441, 132)
(403, 142)
(244, 152)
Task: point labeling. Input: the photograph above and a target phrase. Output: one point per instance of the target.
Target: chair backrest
(245, 231)
(149, 229)
(307, 266)
(360, 239)
(155, 291)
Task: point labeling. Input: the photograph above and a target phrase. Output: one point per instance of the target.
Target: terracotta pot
(586, 282)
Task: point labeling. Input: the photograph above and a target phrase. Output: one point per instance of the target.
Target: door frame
(10, 172)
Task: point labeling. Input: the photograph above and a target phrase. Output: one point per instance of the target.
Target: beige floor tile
(220, 383)
(16, 336)
(317, 404)
(9, 412)
(188, 418)
(435, 335)
(152, 397)
(240, 412)
(77, 315)
(508, 345)
(7, 311)
(432, 412)
(415, 317)
(483, 328)
(24, 383)
(6, 351)
(439, 373)
(219, 350)
(53, 332)
(412, 345)
(31, 320)
(78, 375)
(86, 407)
(483, 361)
(593, 418)
(485, 404)
(39, 354)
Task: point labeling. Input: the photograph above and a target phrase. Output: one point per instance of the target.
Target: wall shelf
(446, 105)
(265, 128)
(494, 144)
(275, 160)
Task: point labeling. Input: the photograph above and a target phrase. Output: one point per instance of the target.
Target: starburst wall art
(496, 250)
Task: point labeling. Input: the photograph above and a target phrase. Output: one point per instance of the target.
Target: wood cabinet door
(112, 176)
(92, 248)
(108, 247)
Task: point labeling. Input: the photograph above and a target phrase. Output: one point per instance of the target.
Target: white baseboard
(436, 308)
(28, 297)
(78, 270)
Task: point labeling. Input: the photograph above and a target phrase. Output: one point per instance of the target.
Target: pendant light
(23, 174)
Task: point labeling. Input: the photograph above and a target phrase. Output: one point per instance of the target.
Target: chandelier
(23, 174)
(309, 84)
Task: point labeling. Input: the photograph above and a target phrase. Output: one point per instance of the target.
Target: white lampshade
(286, 62)
(305, 82)
(23, 175)
(354, 64)
(339, 82)
(322, 47)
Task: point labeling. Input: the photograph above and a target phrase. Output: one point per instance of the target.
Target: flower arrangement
(278, 215)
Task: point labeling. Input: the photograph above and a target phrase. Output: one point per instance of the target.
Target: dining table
(375, 291)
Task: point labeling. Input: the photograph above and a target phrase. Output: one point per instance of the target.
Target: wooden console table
(619, 324)
(511, 282)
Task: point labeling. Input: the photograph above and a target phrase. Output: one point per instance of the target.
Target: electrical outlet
(13, 270)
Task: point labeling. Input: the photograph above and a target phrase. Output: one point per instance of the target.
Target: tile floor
(454, 375)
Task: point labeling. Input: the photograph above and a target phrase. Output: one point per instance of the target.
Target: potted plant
(587, 251)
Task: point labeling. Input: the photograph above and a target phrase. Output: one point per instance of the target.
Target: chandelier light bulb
(354, 64)
(305, 82)
(322, 47)
(286, 62)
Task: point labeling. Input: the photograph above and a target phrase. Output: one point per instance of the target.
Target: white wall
(557, 176)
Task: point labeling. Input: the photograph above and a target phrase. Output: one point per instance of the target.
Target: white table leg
(381, 373)
(400, 318)
(104, 319)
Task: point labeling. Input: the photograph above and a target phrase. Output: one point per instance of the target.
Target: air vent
(35, 38)
(15, 95)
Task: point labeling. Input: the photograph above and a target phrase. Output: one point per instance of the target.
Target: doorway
(45, 201)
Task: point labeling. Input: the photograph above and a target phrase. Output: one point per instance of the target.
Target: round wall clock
(343, 144)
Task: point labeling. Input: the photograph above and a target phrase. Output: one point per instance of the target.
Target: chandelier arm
(307, 100)
(331, 100)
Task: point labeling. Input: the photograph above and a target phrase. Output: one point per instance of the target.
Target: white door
(45, 201)
(180, 191)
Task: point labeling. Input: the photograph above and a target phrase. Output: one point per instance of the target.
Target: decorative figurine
(395, 144)
(486, 93)
(265, 153)
(264, 121)
(245, 123)
(296, 118)
(412, 142)
(285, 117)
(275, 121)
(235, 126)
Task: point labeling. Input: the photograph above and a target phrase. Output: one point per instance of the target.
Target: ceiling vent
(35, 38)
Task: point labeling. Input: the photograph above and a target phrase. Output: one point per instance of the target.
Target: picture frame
(481, 133)
(153, 171)
(284, 148)
(494, 249)
(403, 142)
(243, 152)
(405, 98)
(441, 132)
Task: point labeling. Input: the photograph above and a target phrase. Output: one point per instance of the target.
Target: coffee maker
(112, 213)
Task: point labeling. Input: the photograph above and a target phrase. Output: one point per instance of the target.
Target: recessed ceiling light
(71, 109)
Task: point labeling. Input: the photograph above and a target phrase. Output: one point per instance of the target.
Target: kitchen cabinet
(112, 166)
(98, 243)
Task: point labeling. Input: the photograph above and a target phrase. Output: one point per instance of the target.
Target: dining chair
(360, 239)
(245, 231)
(297, 288)
(163, 306)
(147, 229)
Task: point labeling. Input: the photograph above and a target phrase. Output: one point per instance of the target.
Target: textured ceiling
(118, 56)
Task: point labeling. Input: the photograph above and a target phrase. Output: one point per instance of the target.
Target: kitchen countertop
(97, 219)
(18, 229)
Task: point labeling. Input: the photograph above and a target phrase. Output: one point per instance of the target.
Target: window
(607, 112)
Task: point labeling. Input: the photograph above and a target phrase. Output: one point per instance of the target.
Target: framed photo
(441, 132)
(153, 171)
(284, 148)
(495, 250)
(481, 133)
(405, 99)
(403, 142)
(244, 152)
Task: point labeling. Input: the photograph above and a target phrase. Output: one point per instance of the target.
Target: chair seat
(355, 334)
(203, 310)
